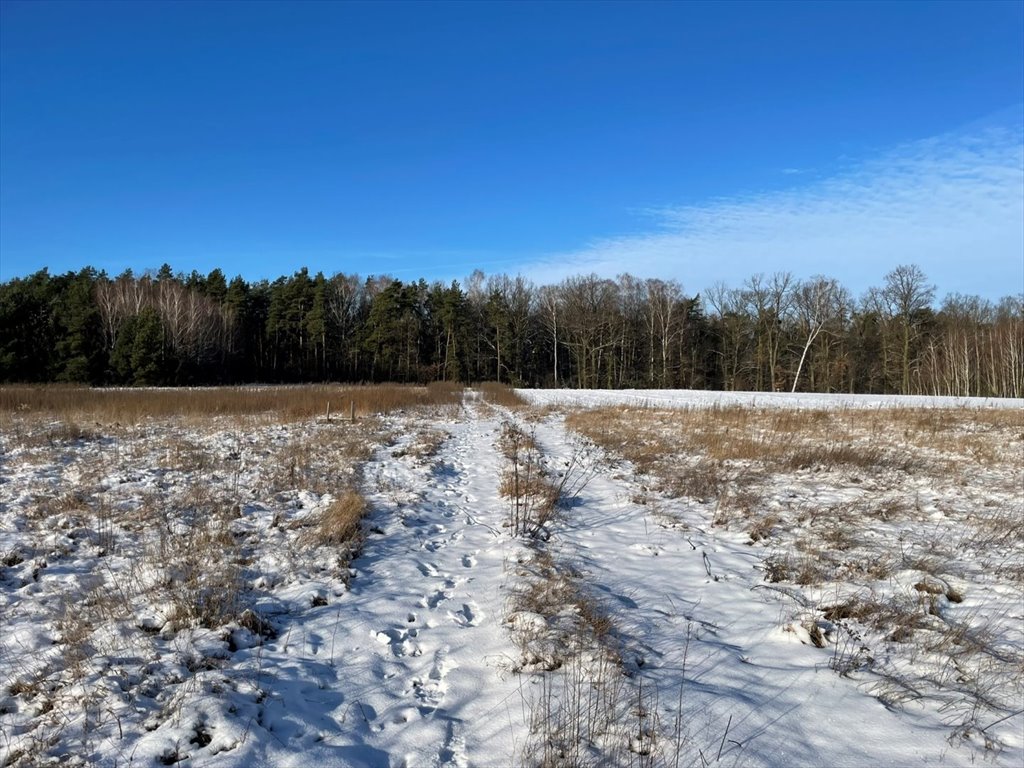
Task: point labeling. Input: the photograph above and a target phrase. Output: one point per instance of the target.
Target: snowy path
(778, 698)
(410, 666)
(442, 657)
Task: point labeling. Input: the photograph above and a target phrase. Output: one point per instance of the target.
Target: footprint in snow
(315, 643)
(435, 599)
(427, 569)
(429, 695)
(403, 715)
(431, 691)
(453, 753)
(468, 561)
(399, 642)
(442, 664)
(469, 616)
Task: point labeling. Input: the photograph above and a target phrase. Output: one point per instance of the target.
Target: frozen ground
(167, 597)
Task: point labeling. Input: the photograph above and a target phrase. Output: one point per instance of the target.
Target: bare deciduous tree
(907, 294)
(816, 302)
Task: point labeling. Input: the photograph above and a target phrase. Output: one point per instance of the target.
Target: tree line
(771, 333)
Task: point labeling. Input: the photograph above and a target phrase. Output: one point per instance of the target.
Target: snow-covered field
(676, 398)
(171, 593)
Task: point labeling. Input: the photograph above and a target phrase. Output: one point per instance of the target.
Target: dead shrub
(533, 485)
(256, 624)
(514, 442)
(533, 496)
(762, 527)
(804, 569)
(202, 579)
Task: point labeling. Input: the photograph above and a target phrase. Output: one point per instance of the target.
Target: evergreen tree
(27, 341)
(316, 329)
(79, 347)
(148, 362)
(215, 286)
(122, 367)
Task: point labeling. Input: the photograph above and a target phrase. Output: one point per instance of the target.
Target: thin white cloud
(954, 205)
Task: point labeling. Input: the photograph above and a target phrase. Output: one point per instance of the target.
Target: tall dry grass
(284, 403)
(503, 395)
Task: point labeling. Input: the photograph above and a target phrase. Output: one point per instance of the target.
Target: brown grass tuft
(341, 522)
(501, 394)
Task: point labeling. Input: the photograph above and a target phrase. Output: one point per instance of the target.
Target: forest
(770, 333)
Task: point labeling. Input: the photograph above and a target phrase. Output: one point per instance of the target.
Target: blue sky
(702, 142)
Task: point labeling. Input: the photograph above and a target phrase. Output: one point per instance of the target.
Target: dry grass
(321, 462)
(536, 489)
(566, 636)
(201, 575)
(701, 452)
(501, 395)
(341, 522)
(589, 705)
(74, 405)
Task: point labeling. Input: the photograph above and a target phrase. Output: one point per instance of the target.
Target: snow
(744, 665)
(411, 654)
(684, 398)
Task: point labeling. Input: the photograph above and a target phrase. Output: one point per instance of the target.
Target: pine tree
(80, 353)
(147, 355)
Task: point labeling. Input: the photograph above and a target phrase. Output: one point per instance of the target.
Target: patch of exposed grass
(341, 522)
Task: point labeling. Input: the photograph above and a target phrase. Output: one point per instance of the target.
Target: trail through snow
(416, 647)
(753, 694)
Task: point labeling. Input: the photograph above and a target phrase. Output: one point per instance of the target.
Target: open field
(225, 577)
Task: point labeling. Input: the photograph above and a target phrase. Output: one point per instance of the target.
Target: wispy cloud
(954, 205)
